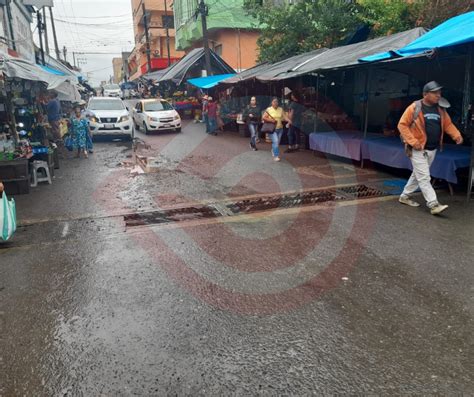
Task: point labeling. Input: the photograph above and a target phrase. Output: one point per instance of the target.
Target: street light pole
(147, 38)
(204, 11)
(167, 34)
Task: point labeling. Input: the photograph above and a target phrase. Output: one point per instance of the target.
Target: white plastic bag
(7, 217)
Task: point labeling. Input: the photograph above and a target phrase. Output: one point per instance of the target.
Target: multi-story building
(232, 32)
(16, 37)
(159, 15)
(117, 64)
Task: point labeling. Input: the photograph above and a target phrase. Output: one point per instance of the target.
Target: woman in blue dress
(80, 131)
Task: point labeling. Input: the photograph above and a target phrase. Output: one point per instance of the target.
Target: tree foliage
(307, 25)
(287, 30)
(389, 16)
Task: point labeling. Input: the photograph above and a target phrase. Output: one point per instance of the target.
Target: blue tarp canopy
(455, 31)
(52, 71)
(209, 81)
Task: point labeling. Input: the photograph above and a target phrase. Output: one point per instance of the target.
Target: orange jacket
(413, 134)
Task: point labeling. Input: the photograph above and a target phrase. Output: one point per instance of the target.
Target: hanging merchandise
(7, 217)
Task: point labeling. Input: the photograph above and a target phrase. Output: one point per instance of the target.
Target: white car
(109, 116)
(112, 90)
(156, 115)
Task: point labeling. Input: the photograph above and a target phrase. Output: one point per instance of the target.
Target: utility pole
(45, 24)
(10, 24)
(53, 27)
(65, 53)
(147, 38)
(74, 59)
(204, 11)
(167, 34)
(40, 33)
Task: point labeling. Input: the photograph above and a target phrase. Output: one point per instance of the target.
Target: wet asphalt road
(365, 297)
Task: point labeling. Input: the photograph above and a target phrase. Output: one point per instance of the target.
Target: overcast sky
(93, 26)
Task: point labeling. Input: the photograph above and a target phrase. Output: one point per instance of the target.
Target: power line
(103, 25)
(96, 17)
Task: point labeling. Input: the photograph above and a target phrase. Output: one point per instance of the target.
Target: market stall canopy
(271, 72)
(247, 74)
(158, 74)
(26, 70)
(349, 55)
(455, 31)
(268, 71)
(177, 72)
(209, 81)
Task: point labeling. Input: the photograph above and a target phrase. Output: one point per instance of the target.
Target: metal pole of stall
(316, 119)
(366, 115)
(468, 124)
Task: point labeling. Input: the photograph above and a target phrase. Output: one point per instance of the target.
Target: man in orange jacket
(422, 128)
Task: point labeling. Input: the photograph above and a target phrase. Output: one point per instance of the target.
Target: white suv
(112, 90)
(109, 116)
(156, 115)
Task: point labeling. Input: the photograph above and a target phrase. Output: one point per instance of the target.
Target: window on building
(218, 49)
(168, 21)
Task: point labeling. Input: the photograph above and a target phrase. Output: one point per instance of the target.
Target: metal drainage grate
(169, 216)
(360, 191)
(284, 201)
(252, 205)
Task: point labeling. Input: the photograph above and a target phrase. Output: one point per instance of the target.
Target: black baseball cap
(432, 86)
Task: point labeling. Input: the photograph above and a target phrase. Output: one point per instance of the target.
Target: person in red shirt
(212, 116)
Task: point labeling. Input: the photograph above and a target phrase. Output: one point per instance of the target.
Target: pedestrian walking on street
(80, 130)
(205, 117)
(212, 116)
(422, 128)
(220, 122)
(252, 115)
(275, 115)
(295, 116)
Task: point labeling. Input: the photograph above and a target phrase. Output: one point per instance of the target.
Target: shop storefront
(27, 149)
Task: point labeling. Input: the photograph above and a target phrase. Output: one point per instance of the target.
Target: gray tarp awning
(26, 70)
(177, 72)
(267, 71)
(157, 75)
(324, 59)
(246, 74)
(271, 72)
(349, 55)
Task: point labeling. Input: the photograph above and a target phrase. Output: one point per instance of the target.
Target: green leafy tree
(288, 30)
(389, 16)
(434, 12)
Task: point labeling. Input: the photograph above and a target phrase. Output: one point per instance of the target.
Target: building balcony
(157, 64)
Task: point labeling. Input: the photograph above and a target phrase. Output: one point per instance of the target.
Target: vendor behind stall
(53, 109)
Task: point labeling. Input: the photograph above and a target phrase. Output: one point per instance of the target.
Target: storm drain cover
(360, 191)
(283, 201)
(172, 215)
(252, 205)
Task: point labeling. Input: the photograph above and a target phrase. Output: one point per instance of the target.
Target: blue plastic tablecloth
(345, 144)
(390, 151)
